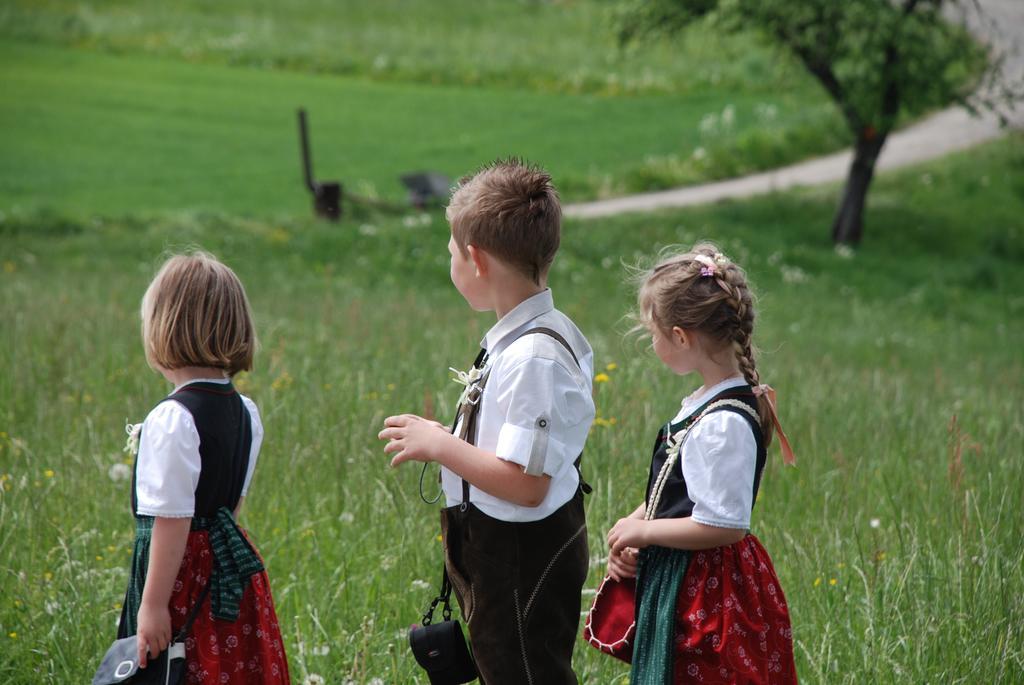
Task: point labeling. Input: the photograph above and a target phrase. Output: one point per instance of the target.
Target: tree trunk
(848, 224)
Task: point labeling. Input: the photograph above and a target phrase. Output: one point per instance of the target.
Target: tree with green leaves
(880, 61)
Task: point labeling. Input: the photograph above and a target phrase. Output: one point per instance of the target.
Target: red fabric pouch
(611, 622)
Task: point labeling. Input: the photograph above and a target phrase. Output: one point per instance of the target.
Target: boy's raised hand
(412, 437)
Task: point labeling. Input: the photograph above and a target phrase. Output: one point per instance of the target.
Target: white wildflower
(699, 153)
(346, 517)
(709, 123)
(728, 116)
(844, 251)
(367, 229)
(793, 274)
(322, 650)
(314, 679)
(874, 523)
(51, 608)
(420, 584)
(377, 681)
(119, 472)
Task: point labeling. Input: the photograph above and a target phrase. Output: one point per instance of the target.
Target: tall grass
(525, 44)
(896, 538)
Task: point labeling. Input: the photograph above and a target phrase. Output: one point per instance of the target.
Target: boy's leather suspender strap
(470, 410)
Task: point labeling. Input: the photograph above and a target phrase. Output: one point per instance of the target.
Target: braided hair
(703, 290)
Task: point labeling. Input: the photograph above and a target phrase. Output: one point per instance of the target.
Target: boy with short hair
(514, 531)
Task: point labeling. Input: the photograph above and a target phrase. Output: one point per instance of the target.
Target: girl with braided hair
(709, 607)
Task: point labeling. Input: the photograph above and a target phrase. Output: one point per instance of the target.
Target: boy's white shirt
(536, 409)
(169, 463)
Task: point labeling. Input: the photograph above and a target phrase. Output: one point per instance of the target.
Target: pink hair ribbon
(709, 267)
(787, 451)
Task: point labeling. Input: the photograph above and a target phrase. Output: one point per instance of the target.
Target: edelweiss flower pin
(466, 378)
(132, 444)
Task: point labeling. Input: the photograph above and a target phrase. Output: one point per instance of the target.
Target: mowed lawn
(896, 537)
(112, 134)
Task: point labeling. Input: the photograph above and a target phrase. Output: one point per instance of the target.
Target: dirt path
(947, 131)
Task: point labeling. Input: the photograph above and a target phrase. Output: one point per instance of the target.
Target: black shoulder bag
(440, 648)
(121, 662)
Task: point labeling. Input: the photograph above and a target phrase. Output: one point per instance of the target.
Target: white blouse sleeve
(719, 458)
(168, 463)
(257, 441)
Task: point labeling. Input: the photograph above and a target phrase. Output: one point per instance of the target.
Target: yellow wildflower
(13, 635)
(282, 381)
(832, 581)
(601, 378)
(611, 367)
(48, 473)
(817, 582)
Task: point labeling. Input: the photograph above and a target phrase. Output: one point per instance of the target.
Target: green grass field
(131, 128)
(565, 46)
(194, 105)
(106, 134)
(898, 367)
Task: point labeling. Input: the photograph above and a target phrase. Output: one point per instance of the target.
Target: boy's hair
(510, 209)
(196, 313)
(703, 290)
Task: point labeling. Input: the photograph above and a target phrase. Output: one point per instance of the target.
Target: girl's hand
(413, 437)
(627, 532)
(154, 631)
(623, 564)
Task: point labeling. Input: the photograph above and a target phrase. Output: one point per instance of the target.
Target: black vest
(225, 439)
(675, 500)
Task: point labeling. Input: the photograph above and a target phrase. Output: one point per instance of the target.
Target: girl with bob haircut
(709, 606)
(194, 458)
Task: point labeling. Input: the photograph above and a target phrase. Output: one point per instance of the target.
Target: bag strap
(444, 597)
(183, 633)
(675, 447)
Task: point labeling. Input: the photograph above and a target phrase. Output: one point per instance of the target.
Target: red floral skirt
(247, 651)
(732, 623)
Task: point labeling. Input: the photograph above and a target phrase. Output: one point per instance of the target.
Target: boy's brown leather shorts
(519, 585)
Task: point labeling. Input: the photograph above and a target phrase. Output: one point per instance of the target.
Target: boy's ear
(481, 260)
